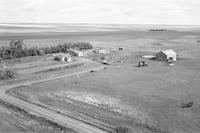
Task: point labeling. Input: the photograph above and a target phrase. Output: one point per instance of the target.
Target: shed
(166, 55)
(121, 48)
(62, 57)
(150, 57)
(76, 53)
(102, 51)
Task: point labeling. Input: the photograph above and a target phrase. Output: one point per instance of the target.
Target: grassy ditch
(43, 121)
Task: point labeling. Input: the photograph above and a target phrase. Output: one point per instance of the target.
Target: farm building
(166, 55)
(150, 57)
(102, 51)
(62, 57)
(76, 53)
(121, 48)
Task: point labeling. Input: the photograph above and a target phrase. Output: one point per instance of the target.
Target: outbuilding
(166, 55)
(102, 51)
(121, 48)
(62, 57)
(76, 53)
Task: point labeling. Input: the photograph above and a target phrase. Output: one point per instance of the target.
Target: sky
(170, 12)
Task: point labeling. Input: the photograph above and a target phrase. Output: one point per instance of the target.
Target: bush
(16, 49)
(6, 73)
(33, 51)
(41, 52)
(121, 129)
(57, 58)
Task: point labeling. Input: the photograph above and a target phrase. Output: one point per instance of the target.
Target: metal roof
(62, 55)
(169, 52)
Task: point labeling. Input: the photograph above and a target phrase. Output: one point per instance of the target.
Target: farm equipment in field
(142, 64)
(107, 62)
(93, 70)
(187, 105)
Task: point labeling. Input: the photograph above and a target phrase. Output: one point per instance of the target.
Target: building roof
(62, 55)
(169, 52)
(101, 50)
(75, 51)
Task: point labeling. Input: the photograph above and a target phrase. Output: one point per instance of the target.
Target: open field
(146, 99)
(42, 67)
(42, 64)
(127, 96)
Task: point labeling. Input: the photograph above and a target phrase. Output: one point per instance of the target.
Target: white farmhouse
(166, 55)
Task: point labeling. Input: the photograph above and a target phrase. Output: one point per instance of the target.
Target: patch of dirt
(98, 100)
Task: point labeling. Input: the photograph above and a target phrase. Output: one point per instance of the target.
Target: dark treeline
(18, 49)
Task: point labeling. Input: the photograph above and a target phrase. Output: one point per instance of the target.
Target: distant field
(134, 40)
(52, 34)
(38, 28)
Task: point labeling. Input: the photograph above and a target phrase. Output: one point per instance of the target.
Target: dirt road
(49, 114)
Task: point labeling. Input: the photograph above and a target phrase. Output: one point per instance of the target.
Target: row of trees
(18, 49)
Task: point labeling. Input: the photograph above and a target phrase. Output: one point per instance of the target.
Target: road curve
(7, 87)
(69, 122)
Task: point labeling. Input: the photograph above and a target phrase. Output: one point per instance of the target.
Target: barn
(166, 55)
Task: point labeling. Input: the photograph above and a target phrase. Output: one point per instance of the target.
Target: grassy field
(143, 99)
(146, 99)
(40, 67)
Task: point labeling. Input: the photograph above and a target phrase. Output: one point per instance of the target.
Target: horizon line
(99, 23)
